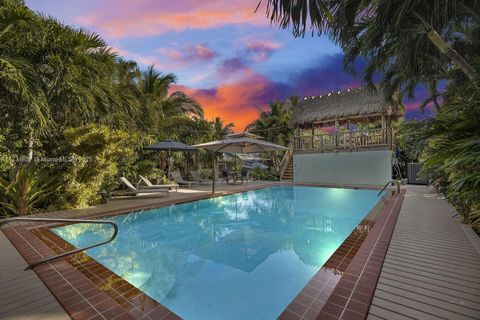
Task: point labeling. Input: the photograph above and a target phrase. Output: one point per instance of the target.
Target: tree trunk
(456, 58)
(30, 147)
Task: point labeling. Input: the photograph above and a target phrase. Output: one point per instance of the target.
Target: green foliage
(392, 37)
(274, 126)
(95, 155)
(24, 189)
(64, 94)
(264, 174)
(448, 147)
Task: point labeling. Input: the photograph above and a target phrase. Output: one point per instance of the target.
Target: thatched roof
(340, 105)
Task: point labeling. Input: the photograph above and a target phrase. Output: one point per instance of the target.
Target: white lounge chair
(177, 177)
(132, 191)
(150, 185)
(196, 177)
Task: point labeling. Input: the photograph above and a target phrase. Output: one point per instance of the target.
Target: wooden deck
(432, 267)
(22, 293)
(431, 270)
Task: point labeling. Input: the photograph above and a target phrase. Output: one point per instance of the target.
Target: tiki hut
(345, 119)
(343, 106)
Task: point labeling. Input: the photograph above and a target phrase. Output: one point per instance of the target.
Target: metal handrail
(36, 263)
(384, 187)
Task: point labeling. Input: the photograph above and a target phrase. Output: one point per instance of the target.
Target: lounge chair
(177, 177)
(132, 191)
(150, 185)
(196, 177)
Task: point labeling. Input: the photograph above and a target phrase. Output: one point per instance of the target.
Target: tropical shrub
(24, 189)
(264, 174)
(95, 156)
(448, 148)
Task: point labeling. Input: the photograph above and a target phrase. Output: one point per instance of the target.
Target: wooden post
(213, 172)
(321, 142)
(336, 134)
(313, 136)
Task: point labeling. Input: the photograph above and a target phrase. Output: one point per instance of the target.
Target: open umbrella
(244, 142)
(169, 145)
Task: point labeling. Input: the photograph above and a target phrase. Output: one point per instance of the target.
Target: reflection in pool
(242, 256)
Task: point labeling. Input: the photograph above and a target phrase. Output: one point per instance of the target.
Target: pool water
(241, 256)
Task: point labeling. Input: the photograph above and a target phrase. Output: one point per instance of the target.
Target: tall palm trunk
(454, 56)
(30, 146)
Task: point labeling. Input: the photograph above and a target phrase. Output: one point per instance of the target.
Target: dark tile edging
(311, 299)
(80, 298)
(331, 282)
(351, 298)
(137, 303)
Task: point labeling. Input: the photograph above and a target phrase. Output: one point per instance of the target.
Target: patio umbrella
(244, 142)
(169, 145)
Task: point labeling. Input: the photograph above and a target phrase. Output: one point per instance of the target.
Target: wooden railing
(285, 160)
(354, 140)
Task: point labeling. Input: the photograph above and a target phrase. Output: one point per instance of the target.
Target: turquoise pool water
(242, 256)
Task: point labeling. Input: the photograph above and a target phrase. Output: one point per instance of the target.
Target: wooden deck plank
(432, 267)
(22, 293)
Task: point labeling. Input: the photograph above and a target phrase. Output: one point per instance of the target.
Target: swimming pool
(241, 256)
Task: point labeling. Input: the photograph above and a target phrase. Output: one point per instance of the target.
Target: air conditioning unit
(413, 169)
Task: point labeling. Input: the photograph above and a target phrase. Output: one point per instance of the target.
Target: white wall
(344, 168)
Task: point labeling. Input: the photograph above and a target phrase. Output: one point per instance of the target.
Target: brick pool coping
(322, 294)
(352, 297)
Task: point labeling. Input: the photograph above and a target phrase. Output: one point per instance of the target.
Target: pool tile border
(81, 299)
(312, 298)
(138, 304)
(351, 298)
(340, 290)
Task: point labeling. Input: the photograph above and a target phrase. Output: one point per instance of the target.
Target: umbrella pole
(168, 165)
(213, 172)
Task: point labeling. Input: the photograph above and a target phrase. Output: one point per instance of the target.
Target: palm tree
(220, 130)
(381, 30)
(157, 104)
(274, 124)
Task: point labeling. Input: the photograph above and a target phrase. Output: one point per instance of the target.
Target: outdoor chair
(150, 185)
(177, 177)
(132, 191)
(196, 177)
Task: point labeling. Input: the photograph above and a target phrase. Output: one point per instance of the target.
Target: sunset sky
(226, 56)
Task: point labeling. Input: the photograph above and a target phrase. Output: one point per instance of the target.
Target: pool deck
(431, 268)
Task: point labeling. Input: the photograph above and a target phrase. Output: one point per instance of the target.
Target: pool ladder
(65, 254)
(386, 185)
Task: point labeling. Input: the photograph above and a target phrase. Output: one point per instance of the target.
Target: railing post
(350, 140)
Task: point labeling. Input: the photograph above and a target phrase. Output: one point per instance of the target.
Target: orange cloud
(238, 102)
(121, 18)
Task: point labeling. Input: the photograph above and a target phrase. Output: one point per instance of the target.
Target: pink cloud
(123, 18)
(190, 54)
(260, 50)
(143, 59)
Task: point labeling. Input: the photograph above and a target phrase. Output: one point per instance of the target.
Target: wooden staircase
(288, 173)
(286, 166)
